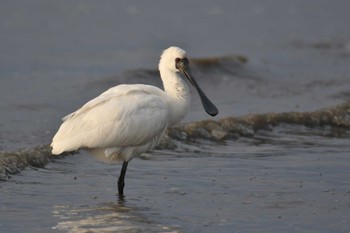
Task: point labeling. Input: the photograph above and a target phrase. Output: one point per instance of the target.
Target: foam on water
(333, 122)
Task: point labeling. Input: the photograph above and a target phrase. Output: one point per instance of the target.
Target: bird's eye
(177, 60)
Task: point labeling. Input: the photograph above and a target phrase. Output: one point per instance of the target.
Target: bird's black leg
(121, 180)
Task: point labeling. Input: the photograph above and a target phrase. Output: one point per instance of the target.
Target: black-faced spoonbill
(128, 120)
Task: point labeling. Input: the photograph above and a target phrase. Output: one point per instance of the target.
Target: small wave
(12, 162)
(228, 128)
(206, 68)
(248, 125)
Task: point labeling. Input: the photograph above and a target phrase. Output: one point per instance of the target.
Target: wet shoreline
(327, 119)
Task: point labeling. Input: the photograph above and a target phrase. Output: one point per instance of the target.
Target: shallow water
(276, 159)
(285, 186)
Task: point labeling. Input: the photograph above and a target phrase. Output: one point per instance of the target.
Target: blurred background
(51, 50)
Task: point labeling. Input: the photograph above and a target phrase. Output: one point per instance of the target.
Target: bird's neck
(178, 94)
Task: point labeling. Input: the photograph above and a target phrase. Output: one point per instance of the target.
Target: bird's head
(174, 60)
(170, 57)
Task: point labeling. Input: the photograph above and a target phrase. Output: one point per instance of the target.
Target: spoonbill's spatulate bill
(128, 120)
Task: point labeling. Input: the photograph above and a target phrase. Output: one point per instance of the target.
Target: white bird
(128, 120)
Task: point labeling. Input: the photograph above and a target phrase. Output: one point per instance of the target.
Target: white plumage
(119, 122)
(127, 120)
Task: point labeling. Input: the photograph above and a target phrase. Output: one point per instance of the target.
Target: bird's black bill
(208, 106)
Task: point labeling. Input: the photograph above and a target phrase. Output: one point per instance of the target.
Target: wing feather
(105, 96)
(128, 115)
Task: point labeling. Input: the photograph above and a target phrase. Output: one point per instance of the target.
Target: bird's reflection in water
(107, 217)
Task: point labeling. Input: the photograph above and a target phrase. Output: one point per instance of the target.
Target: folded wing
(123, 116)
